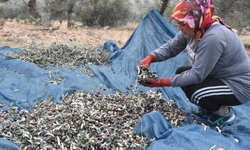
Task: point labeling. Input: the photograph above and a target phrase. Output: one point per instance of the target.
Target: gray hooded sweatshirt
(220, 54)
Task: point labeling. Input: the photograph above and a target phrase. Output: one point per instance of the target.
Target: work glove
(157, 83)
(146, 61)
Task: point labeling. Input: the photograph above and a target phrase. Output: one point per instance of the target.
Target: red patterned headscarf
(194, 13)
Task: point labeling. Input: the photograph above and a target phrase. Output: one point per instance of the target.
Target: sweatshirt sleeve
(170, 49)
(209, 52)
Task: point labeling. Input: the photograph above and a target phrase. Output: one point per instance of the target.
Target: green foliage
(235, 13)
(168, 10)
(13, 10)
(55, 9)
(104, 12)
(158, 5)
(231, 20)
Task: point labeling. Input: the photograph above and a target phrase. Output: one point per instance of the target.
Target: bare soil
(15, 34)
(246, 40)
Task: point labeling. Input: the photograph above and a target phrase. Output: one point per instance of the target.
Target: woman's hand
(157, 83)
(146, 61)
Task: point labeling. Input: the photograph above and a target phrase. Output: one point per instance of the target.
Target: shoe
(221, 120)
(203, 113)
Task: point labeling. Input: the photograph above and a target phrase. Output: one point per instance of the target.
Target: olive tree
(12, 9)
(33, 9)
(164, 4)
(104, 12)
(235, 13)
(60, 10)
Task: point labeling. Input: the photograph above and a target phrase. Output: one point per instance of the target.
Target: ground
(15, 34)
(246, 40)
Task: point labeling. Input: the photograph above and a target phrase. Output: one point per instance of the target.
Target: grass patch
(246, 41)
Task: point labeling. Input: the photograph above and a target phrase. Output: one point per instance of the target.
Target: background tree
(104, 12)
(165, 8)
(164, 4)
(70, 11)
(60, 10)
(235, 13)
(33, 9)
(13, 10)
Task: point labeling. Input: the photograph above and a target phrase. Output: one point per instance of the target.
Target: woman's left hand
(157, 83)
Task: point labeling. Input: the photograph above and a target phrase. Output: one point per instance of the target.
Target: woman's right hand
(146, 61)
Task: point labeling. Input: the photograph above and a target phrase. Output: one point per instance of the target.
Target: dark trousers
(210, 94)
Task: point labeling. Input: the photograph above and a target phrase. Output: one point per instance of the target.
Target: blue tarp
(23, 84)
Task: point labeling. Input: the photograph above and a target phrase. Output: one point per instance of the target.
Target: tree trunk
(163, 6)
(70, 14)
(32, 8)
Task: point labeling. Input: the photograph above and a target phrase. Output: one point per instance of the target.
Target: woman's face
(186, 30)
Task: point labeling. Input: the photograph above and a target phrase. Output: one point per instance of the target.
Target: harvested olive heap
(62, 56)
(83, 120)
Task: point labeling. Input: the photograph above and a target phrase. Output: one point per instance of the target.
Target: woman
(220, 69)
